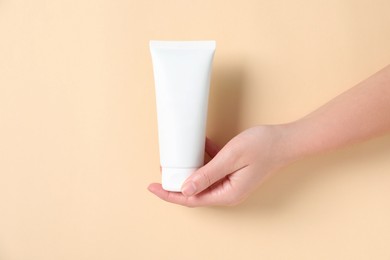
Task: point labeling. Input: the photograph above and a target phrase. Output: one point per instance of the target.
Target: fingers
(224, 163)
(179, 198)
(224, 192)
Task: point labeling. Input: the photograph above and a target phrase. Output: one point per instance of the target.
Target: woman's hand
(234, 172)
(356, 115)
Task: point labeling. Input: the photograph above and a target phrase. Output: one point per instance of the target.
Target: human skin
(248, 159)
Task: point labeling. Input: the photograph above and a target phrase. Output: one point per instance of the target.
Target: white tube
(182, 72)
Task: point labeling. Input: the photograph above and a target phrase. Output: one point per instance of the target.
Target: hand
(244, 163)
(234, 172)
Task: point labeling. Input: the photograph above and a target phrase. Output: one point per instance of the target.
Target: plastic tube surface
(182, 72)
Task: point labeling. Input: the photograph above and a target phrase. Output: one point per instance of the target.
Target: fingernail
(189, 189)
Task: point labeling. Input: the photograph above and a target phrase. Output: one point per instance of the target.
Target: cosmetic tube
(182, 71)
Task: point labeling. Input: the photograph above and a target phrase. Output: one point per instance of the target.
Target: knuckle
(168, 197)
(206, 178)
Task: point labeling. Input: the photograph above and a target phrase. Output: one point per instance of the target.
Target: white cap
(173, 178)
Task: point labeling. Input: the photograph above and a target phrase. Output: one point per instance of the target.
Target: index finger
(203, 199)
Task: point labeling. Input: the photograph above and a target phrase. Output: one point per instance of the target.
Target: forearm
(356, 115)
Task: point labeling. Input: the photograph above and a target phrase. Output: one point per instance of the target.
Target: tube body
(182, 72)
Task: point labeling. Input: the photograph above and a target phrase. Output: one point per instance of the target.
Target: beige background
(78, 137)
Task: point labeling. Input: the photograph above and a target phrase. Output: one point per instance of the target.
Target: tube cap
(173, 178)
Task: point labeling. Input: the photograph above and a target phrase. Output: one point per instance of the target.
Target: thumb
(219, 167)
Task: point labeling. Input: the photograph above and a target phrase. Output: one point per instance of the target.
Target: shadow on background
(225, 103)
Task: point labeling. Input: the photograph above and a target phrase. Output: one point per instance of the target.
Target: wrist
(287, 144)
